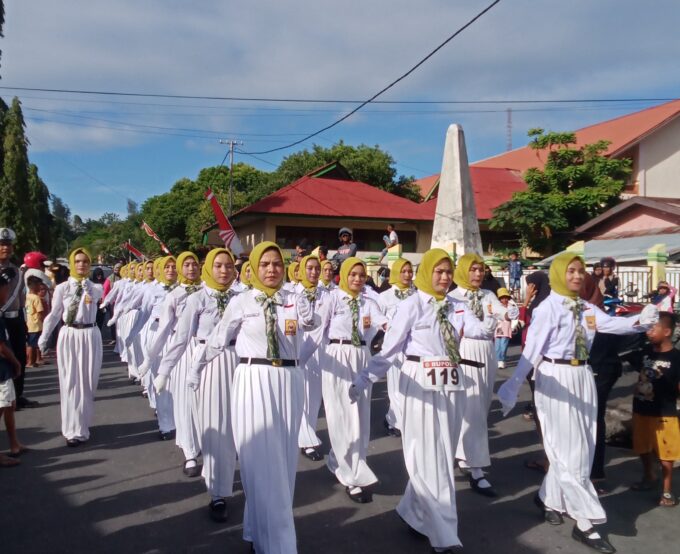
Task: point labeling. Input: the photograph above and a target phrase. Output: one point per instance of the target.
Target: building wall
(638, 219)
(658, 163)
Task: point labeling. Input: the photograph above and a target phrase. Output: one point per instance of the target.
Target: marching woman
(113, 297)
(350, 321)
(170, 360)
(426, 329)
(327, 274)
(201, 314)
(79, 347)
(310, 271)
(293, 278)
(267, 396)
(558, 342)
(244, 276)
(401, 277)
(168, 315)
(473, 445)
(117, 319)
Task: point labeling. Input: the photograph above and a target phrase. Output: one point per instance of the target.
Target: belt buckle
(575, 362)
(277, 362)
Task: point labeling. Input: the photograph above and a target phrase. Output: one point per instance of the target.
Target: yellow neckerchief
(461, 276)
(255, 257)
(244, 279)
(423, 280)
(303, 272)
(291, 272)
(206, 272)
(180, 262)
(345, 270)
(395, 273)
(72, 264)
(558, 274)
(326, 282)
(161, 271)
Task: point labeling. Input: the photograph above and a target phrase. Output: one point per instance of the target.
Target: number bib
(438, 373)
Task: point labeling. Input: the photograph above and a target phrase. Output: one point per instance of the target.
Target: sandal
(18, 453)
(668, 500)
(536, 465)
(6, 461)
(643, 485)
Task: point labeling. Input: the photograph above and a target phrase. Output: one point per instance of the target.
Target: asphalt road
(124, 492)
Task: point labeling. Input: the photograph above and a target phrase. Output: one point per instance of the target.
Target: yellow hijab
(206, 272)
(558, 273)
(139, 272)
(72, 263)
(132, 268)
(291, 272)
(395, 273)
(156, 267)
(461, 276)
(244, 269)
(180, 262)
(161, 270)
(326, 282)
(345, 270)
(124, 271)
(254, 258)
(423, 280)
(303, 271)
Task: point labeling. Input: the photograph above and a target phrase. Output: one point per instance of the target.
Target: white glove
(507, 394)
(649, 315)
(143, 369)
(111, 322)
(513, 312)
(193, 380)
(160, 383)
(44, 351)
(354, 393)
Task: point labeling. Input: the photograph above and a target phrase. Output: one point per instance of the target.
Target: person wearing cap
(558, 344)
(663, 297)
(13, 312)
(347, 248)
(503, 332)
(79, 348)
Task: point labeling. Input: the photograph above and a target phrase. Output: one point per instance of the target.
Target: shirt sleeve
(223, 333)
(186, 329)
(54, 316)
(615, 325)
(166, 324)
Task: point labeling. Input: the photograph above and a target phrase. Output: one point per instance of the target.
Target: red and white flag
(136, 253)
(227, 233)
(149, 231)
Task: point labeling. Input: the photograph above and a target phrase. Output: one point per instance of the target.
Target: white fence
(673, 277)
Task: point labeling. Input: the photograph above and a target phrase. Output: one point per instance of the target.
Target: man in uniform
(13, 312)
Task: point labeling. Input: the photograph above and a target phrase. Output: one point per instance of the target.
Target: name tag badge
(489, 308)
(439, 374)
(88, 299)
(367, 321)
(591, 323)
(251, 315)
(291, 327)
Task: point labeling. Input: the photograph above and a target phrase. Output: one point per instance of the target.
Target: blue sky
(94, 152)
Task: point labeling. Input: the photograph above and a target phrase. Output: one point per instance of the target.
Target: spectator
(98, 278)
(35, 315)
(515, 272)
(347, 248)
(323, 253)
(609, 284)
(503, 332)
(656, 431)
(10, 368)
(489, 282)
(663, 297)
(390, 239)
(597, 272)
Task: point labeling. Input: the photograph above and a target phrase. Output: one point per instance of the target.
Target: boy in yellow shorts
(656, 428)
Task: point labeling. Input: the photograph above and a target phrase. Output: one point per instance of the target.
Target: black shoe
(599, 544)
(312, 453)
(218, 510)
(145, 394)
(23, 402)
(449, 550)
(194, 471)
(484, 491)
(72, 443)
(391, 431)
(551, 516)
(167, 436)
(361, 497)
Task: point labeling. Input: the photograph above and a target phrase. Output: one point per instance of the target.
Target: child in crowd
(503, 330)
(656, 431)
(515, 272)
(35, 314)
(663, 297)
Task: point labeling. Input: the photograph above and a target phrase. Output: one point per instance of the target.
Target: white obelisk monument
(456, 228)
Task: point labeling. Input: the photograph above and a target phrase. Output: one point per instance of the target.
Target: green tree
(39, 201)
(62, 234)
(575, 185)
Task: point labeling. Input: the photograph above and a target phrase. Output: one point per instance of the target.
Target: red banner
(136, 253)
(149, 231)
(227, 233)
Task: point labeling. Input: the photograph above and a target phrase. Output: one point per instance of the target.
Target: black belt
(345, 341)
(203, 341)
(461, 362)
(571, 361)
(80, 325)
(265, 361)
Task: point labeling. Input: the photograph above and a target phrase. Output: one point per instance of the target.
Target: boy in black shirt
(656, 428)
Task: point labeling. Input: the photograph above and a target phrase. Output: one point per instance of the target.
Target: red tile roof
(426, 184)
(623, 132)
(320, 197)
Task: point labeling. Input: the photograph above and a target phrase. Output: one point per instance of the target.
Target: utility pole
(508, 130)
(231, 143)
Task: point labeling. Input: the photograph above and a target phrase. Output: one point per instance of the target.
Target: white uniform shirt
(490, 304)
(337, 317)
(389, 300)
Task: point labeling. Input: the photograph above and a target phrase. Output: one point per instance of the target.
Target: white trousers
(473, 444)
(566, 406)
(312, 402)
(79, 361)
(187, 437)
(349, 425)
(266, 410)
(430, 428)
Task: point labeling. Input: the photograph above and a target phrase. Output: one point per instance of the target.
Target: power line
(389, 86)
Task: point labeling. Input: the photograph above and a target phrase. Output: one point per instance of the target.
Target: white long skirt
(213, 418)
(566, 406)
(430, 428)
(148, 334)
(266, 410)
(307, 437)
(122, 329)
(473, 444)
(162, 402)
(79, 361)
(348, 424)
(393, 415)
(187, 437)
(133, 350)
